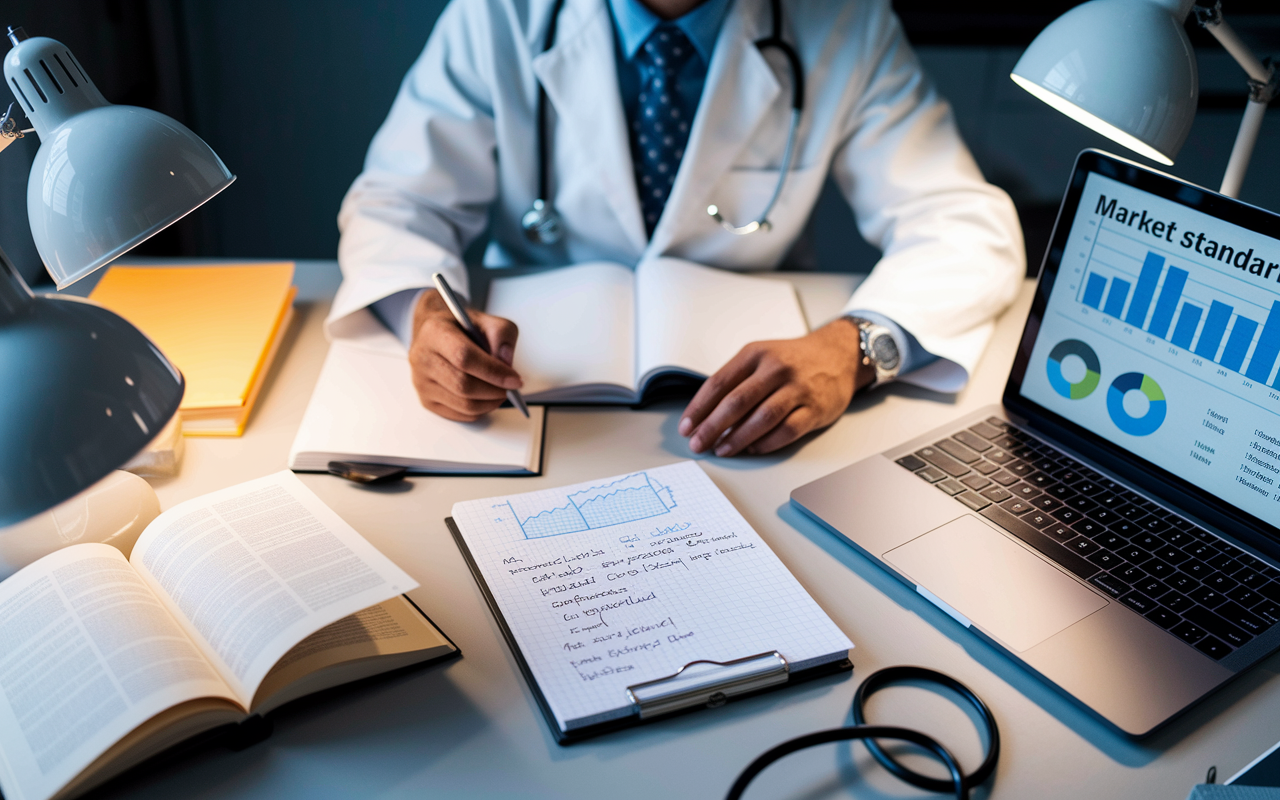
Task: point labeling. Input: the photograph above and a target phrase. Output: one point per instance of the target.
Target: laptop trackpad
(998, 585)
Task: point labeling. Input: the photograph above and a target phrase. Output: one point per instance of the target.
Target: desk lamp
(83, 390)
(1126, 69)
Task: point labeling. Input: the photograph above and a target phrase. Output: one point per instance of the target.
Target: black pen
(469, 327)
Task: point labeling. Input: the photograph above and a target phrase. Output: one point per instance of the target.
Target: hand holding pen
(458, 374)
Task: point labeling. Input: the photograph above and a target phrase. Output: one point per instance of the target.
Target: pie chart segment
(1093, 369)
(1149, 422)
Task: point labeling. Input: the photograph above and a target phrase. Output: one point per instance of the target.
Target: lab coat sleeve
(953, 250)
(429, 176)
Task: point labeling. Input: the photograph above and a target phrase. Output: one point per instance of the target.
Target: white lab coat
(458, 151)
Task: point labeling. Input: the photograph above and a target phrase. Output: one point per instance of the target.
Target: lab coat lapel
(740, 89)
(580, 76)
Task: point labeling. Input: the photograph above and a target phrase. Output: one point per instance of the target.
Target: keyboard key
(1124, 528)
(1172, 554)
(1061, 491)
(1251, 624)
(1177, 603)
(1001, 424)
(1105, 559)
(1151, 587)
(1067, 515)
(911, 462)
(1068, 476)
(1130, 512)
(951, 486)
(1059, 554)
(1268, 610)
(1017, 506)
(1006, 442)
(1212, 648)
(1045, 464)
(1088, 527)
(996, 494)
(1083, 546)
(957, 451)
(1187, 632)
(1130, 574)
(1134, 555)
(1097, 513)
(1038, 519)
(1162, 617)
(1218, 626)
(1147, 541)
(1154, 524)
(975, 501)
(1108, 539)
(1139, 602)
(1196, 569)
(1245, 596)
(1086, 487)
(1182, 524)
(1083, 504)
(1004, 478)
(1109, 584)
(1182, 581)
(1041, 481)
(1220, 583)
(1026, 453)
(1019, 468)
(972, 441)
(1159, 569)
(986, 431)
(975, 482)
(1206, 596)
(1107, 500)
(1025, 490)
(998, 455)
(984, 467)
(942, 461)
(1225, 564)
(1249, 577)
(1059, 531)
(1046, 503)
(1177, 538)
(1201, 551)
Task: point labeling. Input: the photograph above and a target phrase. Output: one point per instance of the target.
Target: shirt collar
(634, 22)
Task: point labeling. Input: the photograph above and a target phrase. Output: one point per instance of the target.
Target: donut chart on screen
(1156, 409)
(1093, 368)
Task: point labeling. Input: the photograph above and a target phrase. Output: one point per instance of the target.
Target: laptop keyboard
(1209, 593)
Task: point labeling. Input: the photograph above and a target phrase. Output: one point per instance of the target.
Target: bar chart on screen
(1185, 309)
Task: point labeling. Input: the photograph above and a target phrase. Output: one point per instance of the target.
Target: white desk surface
(470, 728)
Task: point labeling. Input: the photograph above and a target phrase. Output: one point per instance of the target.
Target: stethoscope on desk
(542, 223)
(957, 782)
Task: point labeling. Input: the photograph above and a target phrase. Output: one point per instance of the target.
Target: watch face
(884, 350)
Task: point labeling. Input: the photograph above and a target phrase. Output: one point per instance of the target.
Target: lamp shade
(1124, 68)
(106, 177)
(84, 391)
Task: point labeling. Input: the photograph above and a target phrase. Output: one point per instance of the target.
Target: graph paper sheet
(627, 579)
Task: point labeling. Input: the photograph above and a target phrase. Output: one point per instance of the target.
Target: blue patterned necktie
(660, 129)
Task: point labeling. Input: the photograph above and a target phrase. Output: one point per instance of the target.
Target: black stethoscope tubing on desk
(542, 223)
(958, 783)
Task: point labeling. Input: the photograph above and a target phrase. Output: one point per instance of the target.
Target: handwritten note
(623, 580)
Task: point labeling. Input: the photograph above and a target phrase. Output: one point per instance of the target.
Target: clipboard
(698, 684)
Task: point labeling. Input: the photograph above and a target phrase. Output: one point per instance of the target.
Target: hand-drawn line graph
(637, 496)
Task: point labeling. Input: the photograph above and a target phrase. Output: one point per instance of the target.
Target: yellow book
(220, 325)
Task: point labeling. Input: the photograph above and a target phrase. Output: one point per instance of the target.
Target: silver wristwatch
(879, 349)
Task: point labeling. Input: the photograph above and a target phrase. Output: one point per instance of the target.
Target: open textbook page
(251, 570)
(694, 318)
(87, 654)
(601, 332)
(623, 580)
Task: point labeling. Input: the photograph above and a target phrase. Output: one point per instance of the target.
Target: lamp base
(113, 511)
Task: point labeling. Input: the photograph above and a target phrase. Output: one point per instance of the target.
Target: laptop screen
(1157, 329)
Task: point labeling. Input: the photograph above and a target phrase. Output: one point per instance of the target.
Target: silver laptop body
(1112, 524)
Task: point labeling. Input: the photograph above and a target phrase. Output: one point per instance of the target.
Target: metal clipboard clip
(708, 683)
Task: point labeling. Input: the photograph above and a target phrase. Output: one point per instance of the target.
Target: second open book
(607, 333)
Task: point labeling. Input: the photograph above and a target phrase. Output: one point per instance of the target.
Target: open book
(230, 605)
(604, 333)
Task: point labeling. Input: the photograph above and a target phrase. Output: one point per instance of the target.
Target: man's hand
(454, 377)
(772, 393)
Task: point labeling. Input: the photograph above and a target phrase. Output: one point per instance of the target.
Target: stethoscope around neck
(543, 225)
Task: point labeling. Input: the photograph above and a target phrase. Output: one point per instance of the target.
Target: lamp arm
(1262, 88)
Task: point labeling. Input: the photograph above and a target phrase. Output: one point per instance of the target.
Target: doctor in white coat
(459, 153)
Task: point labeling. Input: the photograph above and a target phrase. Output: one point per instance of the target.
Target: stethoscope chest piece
(542, 224)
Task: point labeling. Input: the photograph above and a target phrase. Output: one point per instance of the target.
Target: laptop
(1111, 525)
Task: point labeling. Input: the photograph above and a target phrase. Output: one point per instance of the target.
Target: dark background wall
(289, 93)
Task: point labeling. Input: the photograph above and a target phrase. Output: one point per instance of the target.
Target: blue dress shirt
(633, 22)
